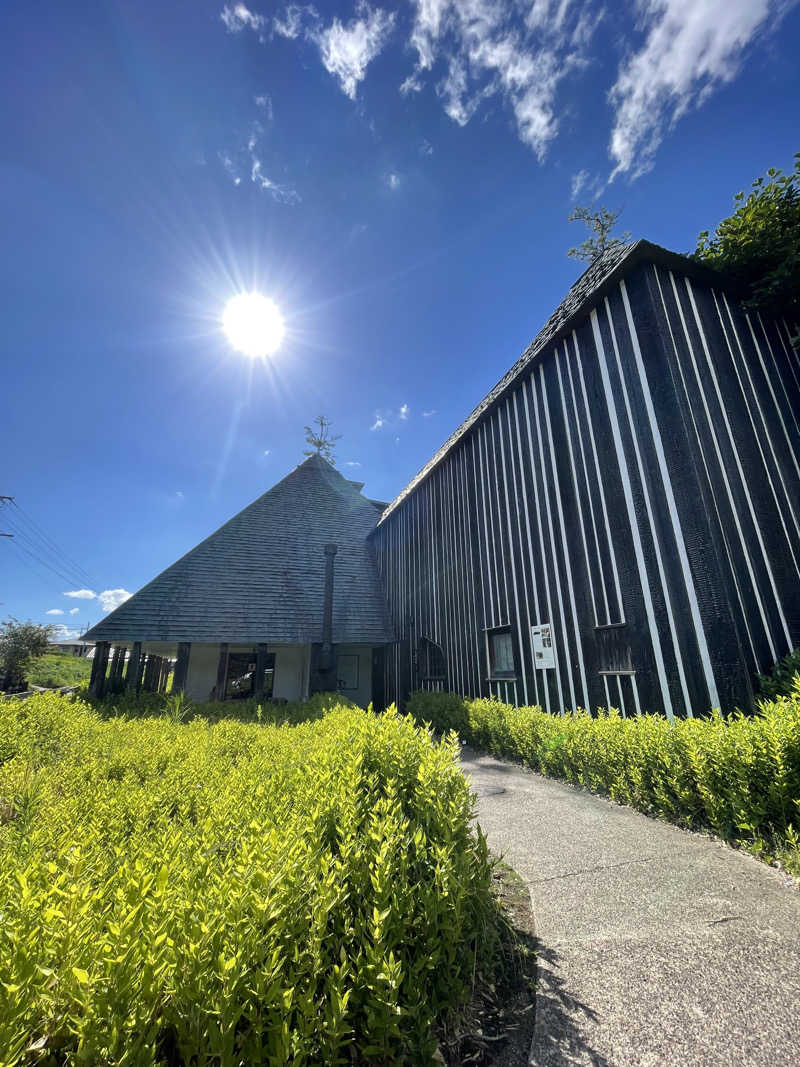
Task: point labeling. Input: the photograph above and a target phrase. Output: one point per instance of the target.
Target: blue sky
(396, 176)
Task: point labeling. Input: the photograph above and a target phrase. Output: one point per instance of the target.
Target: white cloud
(578, 182)
(487, 51)
(291, 23)
(397, 440)
(378, 423)
(425, 148)
(284, 194)
(267, 451)
(55, 611)
(82, 594)
(230, 167)
(690, 48)
(427, 414)
(264, 102)
(352, 463)
(112, 598)
(347, 50)
(393, 181)
(61, 632)
(404, 412)
(236, 17)
(74, 611)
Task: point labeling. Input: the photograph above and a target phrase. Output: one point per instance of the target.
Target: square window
(500, 647)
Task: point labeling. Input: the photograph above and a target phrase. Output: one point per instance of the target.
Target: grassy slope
(57, 668)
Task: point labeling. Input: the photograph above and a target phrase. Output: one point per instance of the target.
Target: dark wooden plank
(181, 667)
(261, 666)
(97, 682)
(132, 677)
(222, 672)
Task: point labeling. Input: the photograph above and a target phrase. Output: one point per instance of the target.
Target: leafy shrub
(58, 668)
(739, 777)
(444, 713)
(781, 680)
(227, 892)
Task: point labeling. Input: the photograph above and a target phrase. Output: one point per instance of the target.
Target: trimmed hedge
(227, 893)
(739, 777)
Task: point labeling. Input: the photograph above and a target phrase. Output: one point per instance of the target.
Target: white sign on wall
(544, 656)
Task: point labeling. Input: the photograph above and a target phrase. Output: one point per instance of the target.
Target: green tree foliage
(759, 244)
(20, 644)
(600, 224)
(322, 441)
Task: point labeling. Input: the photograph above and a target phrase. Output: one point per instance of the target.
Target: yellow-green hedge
(738, 776)
(229, 893)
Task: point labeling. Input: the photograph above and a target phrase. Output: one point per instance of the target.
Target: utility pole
(6, 500)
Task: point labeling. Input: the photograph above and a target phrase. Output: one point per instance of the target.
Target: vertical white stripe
(531, 558)
(477, 689)
(608, 698)
(738, 462)
(564, 546)
(621, 698)
(778, 373)
(520, 635)
(723, 471)
(688, 581)
(554, 558)
(498, 531)
(490, 620)
(589, 495)
(568, 418)
(787, 503)
(609, 538)
(622, 463)
(650, 516)
(541, 543)
(520, 495)
(485, 622)
(789, 444)
(711, 482)
(635, 688)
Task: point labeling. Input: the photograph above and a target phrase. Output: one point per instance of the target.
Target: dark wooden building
(618, 521)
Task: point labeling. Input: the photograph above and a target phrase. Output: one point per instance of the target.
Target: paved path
(656, 947)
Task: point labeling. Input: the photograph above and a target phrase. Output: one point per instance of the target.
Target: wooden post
(261, 666)
(117, 660)
(97, 682)
(181, 667)
(140, 671)
(222, 671)
(162, 681)
(133, 665)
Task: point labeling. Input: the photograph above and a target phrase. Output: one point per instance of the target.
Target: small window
(430, 660)
(500, 647)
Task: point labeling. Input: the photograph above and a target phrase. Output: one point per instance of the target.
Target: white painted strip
(520, 635)
(572, 417)
(622, 463)
(485, 621)
(589, 495)
(743, 614)
(688, 580)
(517, 481)
(644, 481)
(478, 690)
(635, 688)
(609, 538)
(554, 558)
(524, 496)
(738, 462)
(621, 698)
(490, 620)
(565, 547)
(608, 698)
(498, 532)
(787, 503)
(541, 542)
(774, 397)
(778, 373)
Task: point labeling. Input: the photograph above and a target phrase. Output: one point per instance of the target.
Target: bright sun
(253, 324)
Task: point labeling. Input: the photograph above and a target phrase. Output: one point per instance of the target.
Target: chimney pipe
(327, 610)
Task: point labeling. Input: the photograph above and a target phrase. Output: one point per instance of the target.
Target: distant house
(616, 523)
(73, 647)
(282, 601)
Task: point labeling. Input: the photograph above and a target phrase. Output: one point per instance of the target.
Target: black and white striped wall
(636, 488)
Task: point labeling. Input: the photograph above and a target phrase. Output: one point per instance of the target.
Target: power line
(24, 541)
(48, 540)
(41, 544)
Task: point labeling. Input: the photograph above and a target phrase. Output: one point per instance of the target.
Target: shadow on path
(559, 1041)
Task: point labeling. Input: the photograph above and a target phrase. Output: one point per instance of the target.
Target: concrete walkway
(656, 947)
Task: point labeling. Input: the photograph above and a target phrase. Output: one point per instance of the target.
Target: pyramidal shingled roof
(260, 577)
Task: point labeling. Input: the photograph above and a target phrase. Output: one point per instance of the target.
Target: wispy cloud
(248, 160)
(62, 632)
(347, 50)
(55, 611)
(404, 412)
(578, 182)
(264, 102)
(425, 148)
(284, 194)
(690, 48)
(427, 414)
(238, 17)
(397, 440)
(82, 594)
(267, 451)
(290, 24)
(378, 423)
(487, 51)
(74, 611)
(352, 463)
(393, 181)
